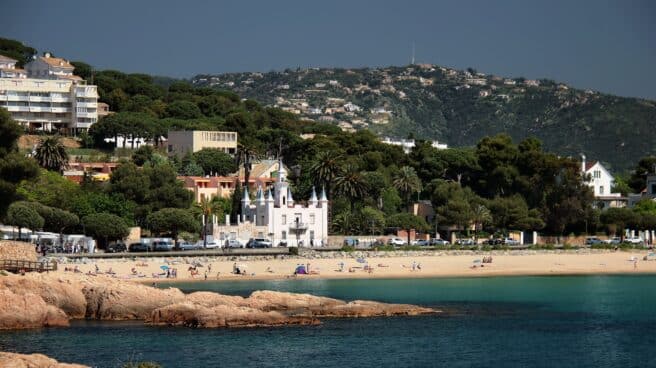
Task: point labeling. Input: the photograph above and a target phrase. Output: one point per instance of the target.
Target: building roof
(589, 165)
(6, 59)
(58, 62)
(71, 77)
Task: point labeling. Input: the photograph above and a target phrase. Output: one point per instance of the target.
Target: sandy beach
(442, 265)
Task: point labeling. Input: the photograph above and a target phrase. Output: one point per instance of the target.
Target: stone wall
(17, 250)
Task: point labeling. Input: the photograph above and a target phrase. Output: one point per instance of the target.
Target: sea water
(558, 321)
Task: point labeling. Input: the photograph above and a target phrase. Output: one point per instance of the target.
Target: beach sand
(444, 265)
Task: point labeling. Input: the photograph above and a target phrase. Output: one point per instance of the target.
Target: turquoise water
(584, 321)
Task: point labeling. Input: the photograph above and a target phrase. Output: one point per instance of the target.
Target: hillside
(457, 107)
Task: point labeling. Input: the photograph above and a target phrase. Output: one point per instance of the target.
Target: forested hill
(458, 107)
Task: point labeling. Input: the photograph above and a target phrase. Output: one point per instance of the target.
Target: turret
(324, 198)
(245, 204)
(313, 199)
(260, 195)
(290, 199)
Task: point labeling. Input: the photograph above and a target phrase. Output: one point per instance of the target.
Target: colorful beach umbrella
(164, 268)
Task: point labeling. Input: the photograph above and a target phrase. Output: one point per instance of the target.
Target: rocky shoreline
(42, 300)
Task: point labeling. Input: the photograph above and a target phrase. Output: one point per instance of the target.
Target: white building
(47, 96)
(601, 182)
(409, 144)
(285, 221)
(48, 67)
(181, 142)
(42, 104)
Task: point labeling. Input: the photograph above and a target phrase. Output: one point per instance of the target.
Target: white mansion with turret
(276, 216)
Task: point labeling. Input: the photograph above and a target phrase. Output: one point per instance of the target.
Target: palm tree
(208, 207)
(407, 182)
(351, 184)
(480, 216)
(325, 169)
(51, 154)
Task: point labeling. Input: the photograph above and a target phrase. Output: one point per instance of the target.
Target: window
(284, 235)
(653, 189)
(311, 234)
(284, 219)
(601, 189)
(312, 218)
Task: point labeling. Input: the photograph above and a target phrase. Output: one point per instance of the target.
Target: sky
(603, 45)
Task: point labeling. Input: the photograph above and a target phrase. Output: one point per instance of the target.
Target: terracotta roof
(589, 164)
(5, 59)
(58, 62)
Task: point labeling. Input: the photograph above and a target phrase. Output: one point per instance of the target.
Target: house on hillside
(49, 67)
(601, 182)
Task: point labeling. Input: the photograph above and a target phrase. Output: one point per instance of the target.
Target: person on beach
(635, 264)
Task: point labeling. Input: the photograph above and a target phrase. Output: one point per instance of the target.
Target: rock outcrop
(65, 294)
(17, 250)
(28, 310)
(13, 360)
(196, 315)
(109, 299)
(38, 300)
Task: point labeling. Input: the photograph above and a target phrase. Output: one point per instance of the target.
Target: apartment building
(180, 142)
(8, 68)
(50, 97)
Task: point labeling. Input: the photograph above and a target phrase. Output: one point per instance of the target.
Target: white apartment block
(8, 68)
(180, 142)
(50, 98)
(409, 144)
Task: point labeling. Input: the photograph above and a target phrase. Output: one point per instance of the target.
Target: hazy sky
(608, 46)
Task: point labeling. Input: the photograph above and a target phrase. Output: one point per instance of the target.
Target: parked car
(465, 242)
(494, 241)
(436, 241)
(162, 246)
(510, 241)
(259, 243)
(396, 241)
(633, 240)
(188, 246)
(116, 248)
(614, 240)
(593, 240)
(233, 243)
(422, 242)
(139, 247)
(210, 244)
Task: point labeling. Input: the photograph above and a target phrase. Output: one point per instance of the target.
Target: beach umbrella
(361, 260)
(164, 268)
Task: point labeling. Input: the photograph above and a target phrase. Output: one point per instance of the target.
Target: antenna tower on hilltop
(413, 53)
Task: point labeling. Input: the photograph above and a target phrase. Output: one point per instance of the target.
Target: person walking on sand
(635, 264)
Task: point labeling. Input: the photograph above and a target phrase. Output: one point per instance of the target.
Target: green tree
(83, 70)
(24, 214)
(618, 219)
(325, 168)
(50, 189)
(51, 154)
(142, 155)
(513, 213)
(351, 184)
(183, 110)
(58, 220)
(646, 166)
(172, 221)
(374, 220)
(407, 182)
(14, 167)
(407, 222)
(214, 161)
(105, 227)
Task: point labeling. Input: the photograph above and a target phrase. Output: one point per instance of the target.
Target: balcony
(298, 227)
(86, 114)
(87, 104)
(60, 109)
(39, 99)
(18, 108)
(40, 109)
